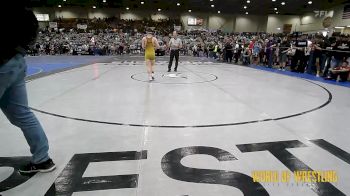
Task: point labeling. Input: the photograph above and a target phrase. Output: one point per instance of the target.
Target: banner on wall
(194, 21)
(287, 28)
(320, 13)
(82, 26)
(42, 17)
(323, 13)
(346, 12)
(53, 25)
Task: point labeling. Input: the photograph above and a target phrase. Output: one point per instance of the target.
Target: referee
(175, 44)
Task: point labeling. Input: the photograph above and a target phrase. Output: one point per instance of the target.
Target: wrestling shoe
(43, 167)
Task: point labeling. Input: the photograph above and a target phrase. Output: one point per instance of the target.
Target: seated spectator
(340, 73)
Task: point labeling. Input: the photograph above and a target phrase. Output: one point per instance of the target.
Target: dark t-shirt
(284, 46)
(20, 30)
(317, 52)
(342, 50)
(228, 48)
(269, 46)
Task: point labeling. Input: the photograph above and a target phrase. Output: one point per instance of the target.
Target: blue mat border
(302, 75)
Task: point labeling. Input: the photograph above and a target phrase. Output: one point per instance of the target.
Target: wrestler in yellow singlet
(150, 43)
(150, 53)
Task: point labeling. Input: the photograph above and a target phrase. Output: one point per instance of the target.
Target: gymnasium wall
(275, 23)
(103, 13)
(133, 15)
(223, 22)
(250, 23)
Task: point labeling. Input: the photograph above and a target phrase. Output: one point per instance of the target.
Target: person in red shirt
(251, 44)
(340, 73)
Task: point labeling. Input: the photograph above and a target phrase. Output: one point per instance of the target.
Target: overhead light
(245, 7)
(339, 27)
(346, 26)
(127, 8)
(178, 4)
(283, 3)
(94, 7)
(275, 8)
(219, 12)
(59, 5)
(211, 0)
(64, 0)
(142, 2)
(310, 2)
(248, 1)
(104, 1)
(247, 13)
(189, 10)
(273, 0)
(277, 12)
(279, 28)
(212, 5)
(159, 10)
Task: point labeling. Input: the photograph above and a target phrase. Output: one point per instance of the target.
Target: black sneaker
(169, 70)
(44, 167)
(175, 70)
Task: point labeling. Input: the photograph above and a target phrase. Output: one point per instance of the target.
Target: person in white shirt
(175, 44)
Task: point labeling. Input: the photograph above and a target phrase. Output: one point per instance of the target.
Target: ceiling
(259, 7)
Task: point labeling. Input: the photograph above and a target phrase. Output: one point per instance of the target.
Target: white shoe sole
(40, 170)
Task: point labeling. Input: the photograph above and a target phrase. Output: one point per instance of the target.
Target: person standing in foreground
(149, 44)
(13, 93)
(269, 52)
(175, 44)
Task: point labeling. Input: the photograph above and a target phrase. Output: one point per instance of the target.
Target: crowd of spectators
(101, 37)
(320, 55)
(323, 56)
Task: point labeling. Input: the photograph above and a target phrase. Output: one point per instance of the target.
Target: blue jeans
(14, 104)
(310, 63)
(269, 57)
